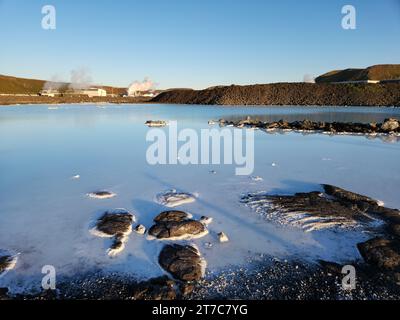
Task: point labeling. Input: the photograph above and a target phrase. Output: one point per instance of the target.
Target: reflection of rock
(176, 225)
(101, 195)
(383, 253)
(161, 288)
(182, 262)
(315, 210)
(7, 262)
(117, 224)
(172, 198)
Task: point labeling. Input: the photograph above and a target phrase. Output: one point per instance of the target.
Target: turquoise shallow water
(45, 215)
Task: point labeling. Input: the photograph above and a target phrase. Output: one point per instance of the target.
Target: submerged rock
(383, 253)
(161, 288)
(101, 195)
(176, 225)
(172, 198)
(182, 262)
(317, 210)
(7, 262)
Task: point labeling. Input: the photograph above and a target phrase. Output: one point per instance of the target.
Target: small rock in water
(172, 198)
(182, 262)
(7, 262)
(101, 195)
(222, 237)
(118, 245)
(156, 123)
(390, 125)
(140, 229)
(206, 220)
(208, 245)
(117, 224)
(176, 225)
(113, 223)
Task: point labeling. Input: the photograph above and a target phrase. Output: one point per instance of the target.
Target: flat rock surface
(336, 207)
(182, 262)
(182, 229)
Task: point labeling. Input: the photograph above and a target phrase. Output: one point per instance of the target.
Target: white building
(49, 93)
(94, 92)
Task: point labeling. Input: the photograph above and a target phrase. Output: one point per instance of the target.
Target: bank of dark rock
(182, 262)
(283, 94)
(389, 126)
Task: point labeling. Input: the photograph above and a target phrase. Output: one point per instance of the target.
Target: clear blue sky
(195, 43)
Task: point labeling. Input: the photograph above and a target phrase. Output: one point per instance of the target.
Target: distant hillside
(289, 94)
(377, 72)
(14, 85)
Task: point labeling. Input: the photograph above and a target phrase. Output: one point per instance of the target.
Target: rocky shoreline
(186, 277)
(389, 127)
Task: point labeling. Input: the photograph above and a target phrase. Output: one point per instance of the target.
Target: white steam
(80, 79)
(137, 87)
(308, 78)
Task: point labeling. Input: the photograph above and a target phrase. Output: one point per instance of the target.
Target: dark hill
(289, 94)
(377, 72)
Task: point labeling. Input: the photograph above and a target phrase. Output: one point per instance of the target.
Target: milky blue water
(45, 215)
